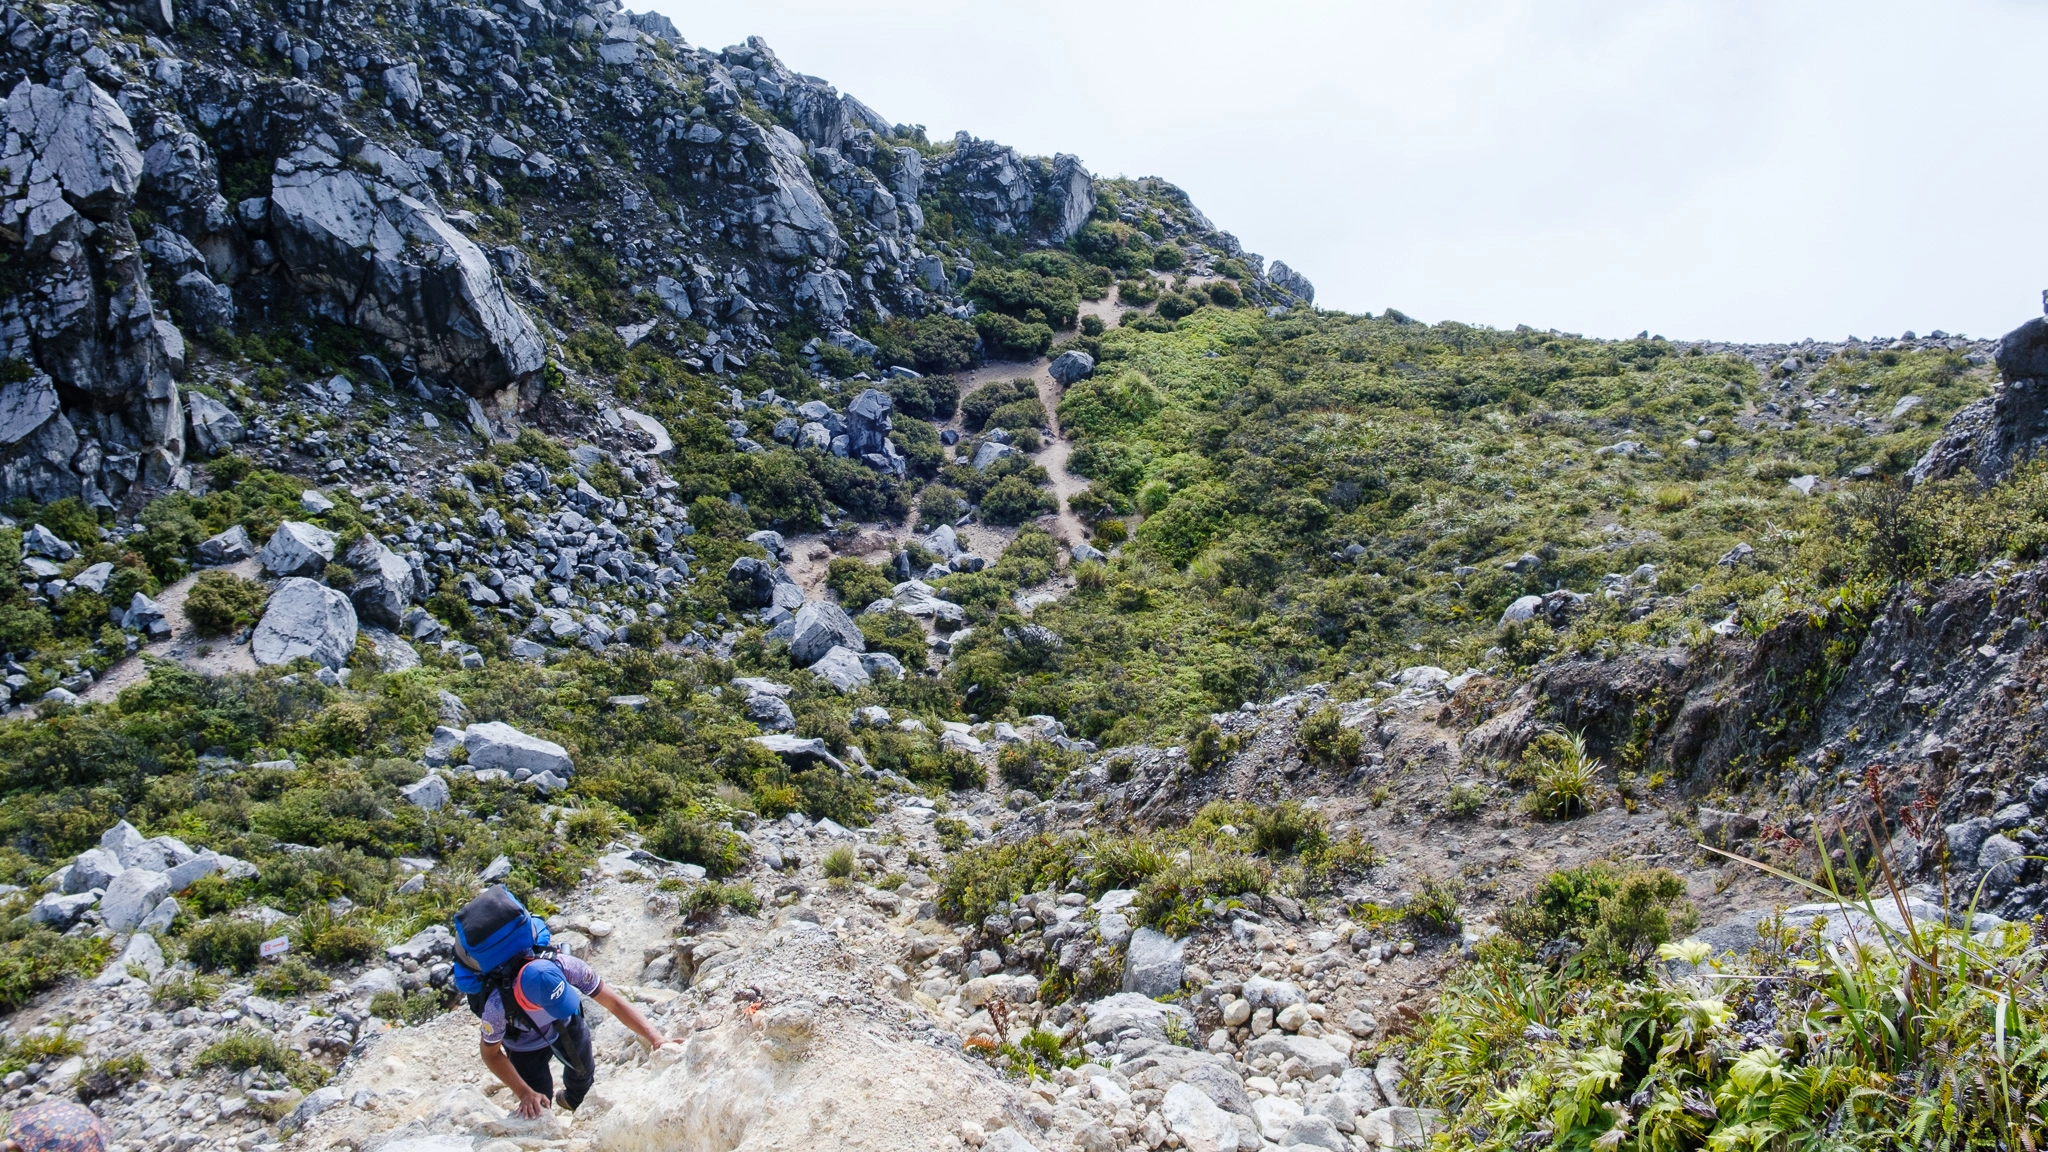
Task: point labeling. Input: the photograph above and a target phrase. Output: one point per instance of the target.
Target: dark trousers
(572, 1048)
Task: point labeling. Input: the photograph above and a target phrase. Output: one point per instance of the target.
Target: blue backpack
(494, 936)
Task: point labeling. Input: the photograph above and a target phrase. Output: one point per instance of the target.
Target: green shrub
(830, 796)
(983, 402)
(1137, 293)
(1092, 326)
(1018, 415)
(1014, 500)
(33, 958)
(289, 977)
(1434, 906)
(1168, 257)
(953, 832)
(1011, 338)
(109, 1077)
(185, 991)
(224, 944)
(1325, 740)
(690, 839)
(415, 1008)
(1289, 828)
(1174, 306)
(1224, 294)
(856, 582)
(840, 862)
(1035, 766)
(937, 505)
(705, 900)
(1465, 800)
(245, 1048)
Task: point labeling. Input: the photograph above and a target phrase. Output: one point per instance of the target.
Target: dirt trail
(222, 655)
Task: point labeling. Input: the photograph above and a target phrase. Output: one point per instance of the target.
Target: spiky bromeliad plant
(1895, 1034)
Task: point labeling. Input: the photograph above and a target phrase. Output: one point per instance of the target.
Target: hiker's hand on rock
(533, 1104)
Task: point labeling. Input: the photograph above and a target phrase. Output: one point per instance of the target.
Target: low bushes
(220, 602)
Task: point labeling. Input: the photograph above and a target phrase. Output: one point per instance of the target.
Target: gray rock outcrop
(362, 252)
(384, 586)
(496, 744)
(821, 626)
(1988, 437)
(297, 549)
(1072, 367)
(305, 620)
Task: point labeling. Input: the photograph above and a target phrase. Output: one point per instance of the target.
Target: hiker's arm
(531, 1103)
(628, 1015)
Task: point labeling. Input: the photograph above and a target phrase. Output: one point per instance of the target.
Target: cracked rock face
(86, 319)
(364, 253)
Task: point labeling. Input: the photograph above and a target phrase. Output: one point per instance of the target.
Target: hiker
(529, 999)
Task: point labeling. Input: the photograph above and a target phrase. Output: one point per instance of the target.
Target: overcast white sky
(1739, 171)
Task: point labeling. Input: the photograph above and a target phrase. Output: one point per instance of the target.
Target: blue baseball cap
(544, 992)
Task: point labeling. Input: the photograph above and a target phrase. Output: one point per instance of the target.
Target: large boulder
(1128, 1016)
(384, 586)
(1200, 1124)
(868, 424)
(297, 549)
(843, 669)
(801, 752)
(1280, 276)
(93, 868)
(1319, 1058)
(496, 744)
(1153, 964)
(362, 252)
(132, 897)
(755, 583)
(215, 427)
(306, 620)
(1072, 367)
(227, 548)
(820, 627)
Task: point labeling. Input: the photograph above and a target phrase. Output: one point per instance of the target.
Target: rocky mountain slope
(973, 652)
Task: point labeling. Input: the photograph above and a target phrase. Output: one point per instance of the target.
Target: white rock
(429, 794)
(297, 549)
(132, 897)
(820, 627)
(305, 620)
(842, 668)
(495, 744)
(1200, 1124)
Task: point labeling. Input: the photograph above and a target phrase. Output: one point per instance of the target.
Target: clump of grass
(417, 1007)
(185, 991)
(1326, 742)
(840, 862)
(288, 977)
(42, 1046)
(1922, 1036)
(1465, 800)
(952, 832)
(707, 900)
(228, 944)
(246, 1048)
(109, 1077)
(1564, 778)
(1434, 907)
